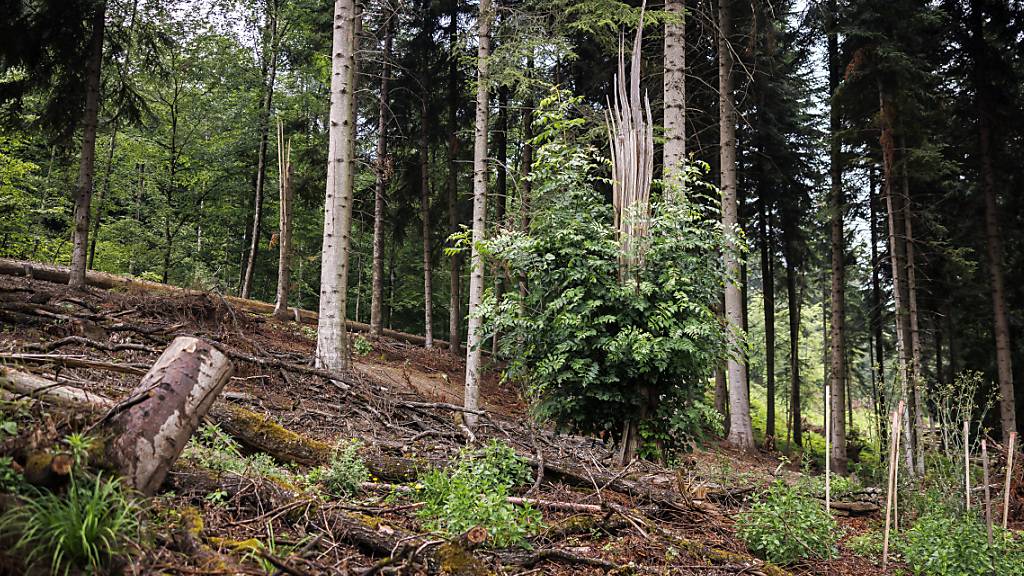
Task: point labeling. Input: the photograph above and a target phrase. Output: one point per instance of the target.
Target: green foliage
(361, 345)
(943, 542)
(11, 481)
(345, 472)
(869, 544)
(596, 350)
(473, 493)
(213, 448)
(84, 528)
(784, 526)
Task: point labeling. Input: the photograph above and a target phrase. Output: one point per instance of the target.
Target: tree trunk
(675, 97)
(104, 193)
(455, 293)
(284, 163)
(501, 192)
(878, 369)
(526, 185)
(916, 387)
(87, 161)
(382, 168)
(153, 425)
(332, 340)
(837, 209)
(261, 153)
(793, 302)
(474, 336)
(740, 431)
(768, 292)
(428, 292)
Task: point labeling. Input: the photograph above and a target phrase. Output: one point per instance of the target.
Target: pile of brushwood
(176, 432)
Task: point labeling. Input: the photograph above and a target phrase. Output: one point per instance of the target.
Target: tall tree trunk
(104, 193)
(993, 236)
(793, 302)
(878, 375)
(455, 262)
(382, 168)
(332, 340)
(837, 208)
(284, 164)
(501, 191)
(675, 96)
(740, 432)
(768, 292)
(87, 161)
(916, 387)
(261, 153)
(526, 165)
(428, 291)
(474, 337)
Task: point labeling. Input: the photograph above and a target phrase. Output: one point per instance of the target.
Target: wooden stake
(828, 449)
(893, 455)
(988, 501)
(1010, 449)
(896, 472)
(967, 463)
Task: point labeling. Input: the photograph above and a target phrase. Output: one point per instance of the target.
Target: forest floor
(642, 519)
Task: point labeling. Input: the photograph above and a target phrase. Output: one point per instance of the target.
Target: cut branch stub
(152, 426)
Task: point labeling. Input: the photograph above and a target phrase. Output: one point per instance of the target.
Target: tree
(332, 341)
(675, 90)
(383, 169)
(474, 337)
(284, 166)
(740, 432)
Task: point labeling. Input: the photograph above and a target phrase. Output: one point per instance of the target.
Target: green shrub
(361, 346)
(474, 493)
(784, 526)
(84, 528)
(11, 481)
(869, 544)
(947, 543)
(213, 448)
(345, 472)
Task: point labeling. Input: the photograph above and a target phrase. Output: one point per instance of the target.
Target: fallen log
(104, 280)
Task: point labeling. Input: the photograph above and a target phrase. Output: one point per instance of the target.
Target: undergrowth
(784, 526)
(474, 492)
(213, 448)
(345, 473)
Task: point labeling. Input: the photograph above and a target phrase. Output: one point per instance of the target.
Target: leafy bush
(598, 351)
(83, 528)
(361, 345)
(11, 480)
(784, 526)
(474, 493)
(869, 544)
(213, 448)
(946, 543)
(345, 472)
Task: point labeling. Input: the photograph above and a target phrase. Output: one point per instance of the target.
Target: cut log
(26, 385)
(152, 426)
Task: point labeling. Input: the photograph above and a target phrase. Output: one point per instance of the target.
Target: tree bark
(876, 311)
(501, 192)
(837, 209)
(332, 340)
(153, 425)
(768, 291)
(740, 431)
(455, 261)
(261, 153)
(87, 161)
(284, 163)
(474, 337)
(428, 292)
(382, 168)
(104, 193)
(916, 387)
(675, 97)
(793, 302)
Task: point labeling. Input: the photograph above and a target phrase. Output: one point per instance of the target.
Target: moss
(719, 556)
(191, 521)
(454, 560)
(260, 432)
(249, 545)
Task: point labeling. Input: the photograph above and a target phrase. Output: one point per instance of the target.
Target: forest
(511, 287)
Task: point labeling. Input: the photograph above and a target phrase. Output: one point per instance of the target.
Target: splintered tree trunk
(153, 425)
(455, 293)
(87, 162)
(837, 208)
(284, 163)
(474, 336)
(428, 291)
(792, 295)
(675, 94)
(740, 431)
(382, 169)
(332, 341)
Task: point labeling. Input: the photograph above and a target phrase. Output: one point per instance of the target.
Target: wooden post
(988, 501)
(967, 464)
(1010, 449)
(896, 473)
(828, 448)
(153, 424)
(893, 455)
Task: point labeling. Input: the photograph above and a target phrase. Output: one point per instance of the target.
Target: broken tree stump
(151, 427)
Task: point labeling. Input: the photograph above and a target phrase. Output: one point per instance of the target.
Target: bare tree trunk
(87, 161)
(104, 192)
(455, 293)
(284, 164)
(526, 165)
(476, 279)
(675, 95)
(740, 431)
(382, 169)
(793, 302)
(501, 192)
(768, 291)
(153, 425)
(837, 209)
(261, 153)
(916, 388)
(428, 291)
(332, 340)
(878, 376)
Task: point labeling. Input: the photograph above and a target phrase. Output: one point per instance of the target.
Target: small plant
(869, 544)
(345, 473)
(213, 448)
(11, 481)
(84, 528)
(945, 543)
(79, 445)
(474, 492)
(362, 346)
(784, 526)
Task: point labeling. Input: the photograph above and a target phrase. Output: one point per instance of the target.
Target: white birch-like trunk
(332, 341)
(474, 338)
(284, 163)
(741, 433)
(675, 96)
